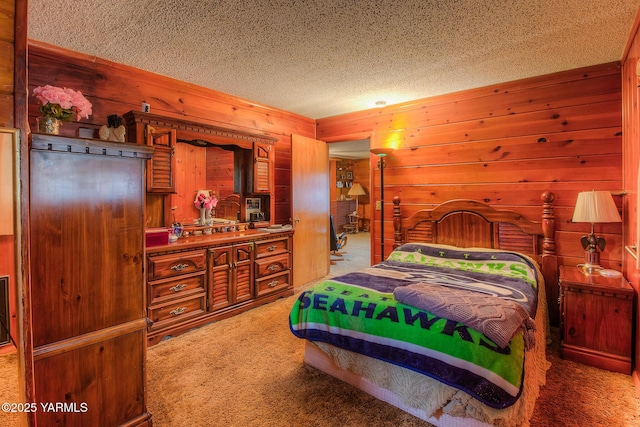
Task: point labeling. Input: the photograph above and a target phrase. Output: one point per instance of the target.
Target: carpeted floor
(248, 371)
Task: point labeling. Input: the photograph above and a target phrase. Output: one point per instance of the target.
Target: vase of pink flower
(205, 202)
(59, 105)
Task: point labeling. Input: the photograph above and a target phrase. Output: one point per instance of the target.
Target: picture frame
(9, 179)
(349, 175)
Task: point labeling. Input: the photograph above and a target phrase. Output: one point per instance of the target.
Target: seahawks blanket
(358, 312)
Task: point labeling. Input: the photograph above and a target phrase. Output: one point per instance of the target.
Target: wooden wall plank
(116, 88)
(505, 144)
(631, 170)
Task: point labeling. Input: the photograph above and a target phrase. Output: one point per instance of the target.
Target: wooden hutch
(229, 266)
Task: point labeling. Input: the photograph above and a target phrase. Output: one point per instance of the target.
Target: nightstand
(597, 319)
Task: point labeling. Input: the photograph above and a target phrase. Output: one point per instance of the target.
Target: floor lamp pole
(381, 153)
(381, 162)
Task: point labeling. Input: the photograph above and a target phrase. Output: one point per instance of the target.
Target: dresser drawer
(161, 266)
(178, 287)
(272, 247)
(275, 283)
(172, 312)
(272, 265)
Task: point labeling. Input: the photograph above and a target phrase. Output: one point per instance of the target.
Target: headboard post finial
(397, 224)
(548, 224)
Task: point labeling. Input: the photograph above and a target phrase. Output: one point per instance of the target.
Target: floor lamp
(356, 190)
(381, 153)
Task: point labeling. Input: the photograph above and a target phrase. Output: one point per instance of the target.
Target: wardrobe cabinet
(86, 298)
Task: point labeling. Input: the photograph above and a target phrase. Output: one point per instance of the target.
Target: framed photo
(253, 203)
(349, 175)
(9, 179)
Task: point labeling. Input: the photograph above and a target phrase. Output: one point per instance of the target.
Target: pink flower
(62, 103)
(204, 201)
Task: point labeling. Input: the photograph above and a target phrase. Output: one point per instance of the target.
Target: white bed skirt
(317, 358)
(428, 399)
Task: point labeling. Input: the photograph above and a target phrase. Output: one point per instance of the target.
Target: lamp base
(590, 269)
(591, 262)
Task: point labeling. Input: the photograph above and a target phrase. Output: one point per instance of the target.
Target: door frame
(370, 135)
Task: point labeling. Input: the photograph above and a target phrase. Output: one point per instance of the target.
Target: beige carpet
(248, 371)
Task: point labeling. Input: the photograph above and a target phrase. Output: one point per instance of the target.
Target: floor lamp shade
(356, 190)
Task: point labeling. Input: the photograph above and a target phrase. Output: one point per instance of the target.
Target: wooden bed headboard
(469, 223)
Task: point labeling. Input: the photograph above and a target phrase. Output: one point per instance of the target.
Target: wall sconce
(594, 207)
(381, 153)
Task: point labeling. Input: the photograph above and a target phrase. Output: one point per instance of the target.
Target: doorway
(349, 193)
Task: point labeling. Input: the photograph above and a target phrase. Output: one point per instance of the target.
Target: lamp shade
(382, 151)
(595, 207)
(356, 190)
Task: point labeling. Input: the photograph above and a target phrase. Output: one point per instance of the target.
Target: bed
(402, 331)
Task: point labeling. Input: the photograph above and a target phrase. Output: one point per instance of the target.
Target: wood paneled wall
(115, 89)
(12, 79)
(631, 175)
(504, 144)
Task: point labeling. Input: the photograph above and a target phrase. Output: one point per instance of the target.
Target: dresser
(86, 297)
(201, 279)
(596, 319)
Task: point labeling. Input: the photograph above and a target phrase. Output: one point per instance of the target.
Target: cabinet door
(220, 277)
(598, 322)
(161, 169)
(262, 168)
(243, 273)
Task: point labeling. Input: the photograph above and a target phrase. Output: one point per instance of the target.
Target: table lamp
(594, 207)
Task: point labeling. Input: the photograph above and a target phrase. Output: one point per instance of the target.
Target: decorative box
(156, 237)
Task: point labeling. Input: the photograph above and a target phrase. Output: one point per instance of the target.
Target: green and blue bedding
(380, 312)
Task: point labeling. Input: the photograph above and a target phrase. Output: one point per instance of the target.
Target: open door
(310, 209)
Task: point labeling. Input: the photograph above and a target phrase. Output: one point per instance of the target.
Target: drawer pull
(178, 288)
(178, 310)
(273, 267)
(179, 267)
(273, 284)
(272, 248)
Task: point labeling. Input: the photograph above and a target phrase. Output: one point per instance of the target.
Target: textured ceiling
(327, 57)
